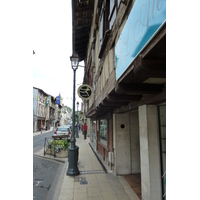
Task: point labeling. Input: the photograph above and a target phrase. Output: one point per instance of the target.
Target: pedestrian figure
(85, 130)
(41, 128)
(69, 132)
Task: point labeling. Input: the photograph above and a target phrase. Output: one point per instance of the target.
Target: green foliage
(69, 109)
(60, 144)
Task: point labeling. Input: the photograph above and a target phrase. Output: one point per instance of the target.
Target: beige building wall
(149, 153)
(122, 144)
(126, 143)
(47, 112)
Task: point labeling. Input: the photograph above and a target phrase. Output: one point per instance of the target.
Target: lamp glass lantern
(77, 104)
(74, 60)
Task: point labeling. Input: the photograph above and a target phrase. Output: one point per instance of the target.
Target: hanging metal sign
(85, 92)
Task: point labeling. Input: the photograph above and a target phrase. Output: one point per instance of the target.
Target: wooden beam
(101, 106)
(84, 23)
(123, 98)
(149, 68)
(106, 109)
(113, 103)
(81, 35)
(84, 14)
(137, 88)
(154, 64)
(161, 35)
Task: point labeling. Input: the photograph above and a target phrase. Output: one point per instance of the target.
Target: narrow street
(46, 172)
(38, 141)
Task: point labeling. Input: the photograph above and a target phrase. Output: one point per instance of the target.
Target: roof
(52, 97)
(82, 15)
(42, 91)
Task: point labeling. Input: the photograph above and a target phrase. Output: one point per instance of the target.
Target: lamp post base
(73, 159)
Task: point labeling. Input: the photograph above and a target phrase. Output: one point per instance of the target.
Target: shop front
(104, 139)
(40, 122)
(140, 149)
(93, 135)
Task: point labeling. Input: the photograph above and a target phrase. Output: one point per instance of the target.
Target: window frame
(108, 15)
(102, 141)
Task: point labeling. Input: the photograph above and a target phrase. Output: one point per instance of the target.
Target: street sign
(85, 92)
(58, 100)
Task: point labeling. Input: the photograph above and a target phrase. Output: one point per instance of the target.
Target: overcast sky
(52, 42)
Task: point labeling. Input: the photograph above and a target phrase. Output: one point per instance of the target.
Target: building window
(107, 17)
(93, 128)
(103, 132)
(162, 128)
(39, 109)
(104, 25)
(113, 12)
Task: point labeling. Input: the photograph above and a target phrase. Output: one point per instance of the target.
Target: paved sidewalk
(93, 183)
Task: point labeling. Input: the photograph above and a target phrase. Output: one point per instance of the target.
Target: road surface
(47, 174)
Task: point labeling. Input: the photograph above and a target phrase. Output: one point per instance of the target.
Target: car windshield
(62, 129)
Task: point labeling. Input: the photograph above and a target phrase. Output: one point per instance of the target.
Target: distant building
(39, 104)
(45, 110)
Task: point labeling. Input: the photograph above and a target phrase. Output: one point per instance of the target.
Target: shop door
(39, 125)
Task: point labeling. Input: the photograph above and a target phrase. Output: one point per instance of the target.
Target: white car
(69, 126)
(62, 130)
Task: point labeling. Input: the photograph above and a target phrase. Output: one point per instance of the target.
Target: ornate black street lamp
(77, 125)
(73, 149)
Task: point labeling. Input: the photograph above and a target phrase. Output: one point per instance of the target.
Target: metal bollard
(76, 153)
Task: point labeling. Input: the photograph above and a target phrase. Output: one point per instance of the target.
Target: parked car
(61, 130)
(69, 126)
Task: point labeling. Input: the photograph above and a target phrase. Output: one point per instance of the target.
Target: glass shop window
(103, 132)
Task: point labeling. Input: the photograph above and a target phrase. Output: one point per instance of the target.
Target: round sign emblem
(85, 92)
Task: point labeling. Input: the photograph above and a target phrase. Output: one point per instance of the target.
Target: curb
(104, 168)
(49, 158)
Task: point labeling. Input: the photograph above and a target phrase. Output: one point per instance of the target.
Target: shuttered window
(108, 15)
